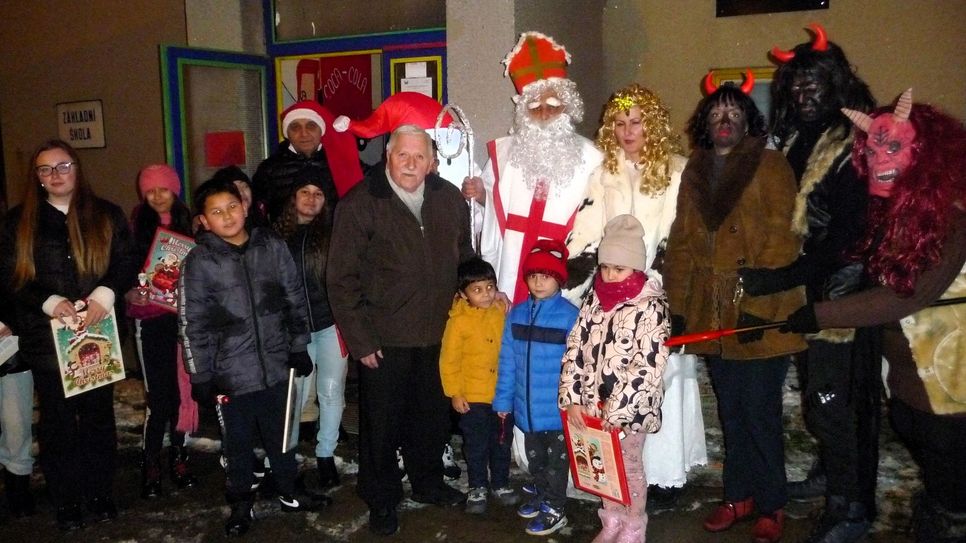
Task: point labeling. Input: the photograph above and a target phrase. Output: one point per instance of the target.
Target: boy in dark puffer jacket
(242, 320)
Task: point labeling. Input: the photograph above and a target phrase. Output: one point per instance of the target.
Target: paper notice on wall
(415, 69)
(422, 85)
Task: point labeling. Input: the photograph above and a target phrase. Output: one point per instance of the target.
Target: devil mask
(889, 149)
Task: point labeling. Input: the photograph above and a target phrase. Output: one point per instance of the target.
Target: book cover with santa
(162, 267)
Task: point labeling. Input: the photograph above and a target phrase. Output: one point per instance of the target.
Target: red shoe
(727, 514)
(768, 527)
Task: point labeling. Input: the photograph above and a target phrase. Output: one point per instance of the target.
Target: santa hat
(159, 175)
(340, 148)
(535, 57)
(306, 109)
(548, 256)
(399, 109)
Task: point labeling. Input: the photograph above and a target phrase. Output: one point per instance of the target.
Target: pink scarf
(611, 294)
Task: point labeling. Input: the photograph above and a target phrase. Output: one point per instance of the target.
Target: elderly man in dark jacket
(398, 239)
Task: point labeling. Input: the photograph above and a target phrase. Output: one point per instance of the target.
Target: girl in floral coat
(614, 364)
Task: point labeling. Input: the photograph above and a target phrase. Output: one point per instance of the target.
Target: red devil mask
(889, 146)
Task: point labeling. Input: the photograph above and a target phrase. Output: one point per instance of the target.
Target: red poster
(224, 149)
(346, 83)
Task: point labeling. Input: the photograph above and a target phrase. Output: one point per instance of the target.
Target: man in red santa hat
(306, 142)
(535, 177)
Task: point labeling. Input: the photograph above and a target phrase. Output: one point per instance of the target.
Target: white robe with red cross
(514, 220)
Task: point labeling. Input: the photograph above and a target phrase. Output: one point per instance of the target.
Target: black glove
(762, 281)
(677, 325)
(300, 362)
(579, 268)
(802, 321)
(203, 393)
(747, 319)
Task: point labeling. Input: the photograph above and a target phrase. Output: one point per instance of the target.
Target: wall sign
(81, 124)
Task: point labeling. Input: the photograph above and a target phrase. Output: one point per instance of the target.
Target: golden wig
(660, 142)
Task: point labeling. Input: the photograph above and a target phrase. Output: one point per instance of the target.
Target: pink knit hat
(159, 175)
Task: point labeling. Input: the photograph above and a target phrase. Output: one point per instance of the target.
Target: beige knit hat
(623, 243)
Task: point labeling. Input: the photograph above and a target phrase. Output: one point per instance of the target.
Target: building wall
(577, 25)
(478, 35)
(64, 51)
(894, 44)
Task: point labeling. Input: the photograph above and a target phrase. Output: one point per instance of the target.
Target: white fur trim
(820, 161)
(302, 113)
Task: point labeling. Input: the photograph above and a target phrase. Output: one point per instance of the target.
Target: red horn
(782, 56)
(749, 83)
(709, 86)
(820, 41)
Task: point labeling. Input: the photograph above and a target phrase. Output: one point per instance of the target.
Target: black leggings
(157, 344)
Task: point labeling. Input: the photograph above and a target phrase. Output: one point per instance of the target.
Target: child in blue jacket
(534, 341)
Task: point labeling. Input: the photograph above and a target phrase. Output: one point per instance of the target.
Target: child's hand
(460, 404)
(136, 296)
(502, 297)
(575, 416)
(502, 414)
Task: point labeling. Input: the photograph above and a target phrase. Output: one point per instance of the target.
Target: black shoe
(305, 502)
(811, 488)
(328, 474)
(934, 523)
(841, 522)
(178, 468)
(242, 514)
(70, 517)
(383, 521)
(443, 495)
(240, 520)
(19, 498)
(662, 498)
(102, 509)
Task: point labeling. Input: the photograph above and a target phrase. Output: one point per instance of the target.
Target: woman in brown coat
(734, 210)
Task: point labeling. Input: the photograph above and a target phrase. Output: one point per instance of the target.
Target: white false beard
(550, 152)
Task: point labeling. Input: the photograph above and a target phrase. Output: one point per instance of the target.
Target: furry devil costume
(915, 247)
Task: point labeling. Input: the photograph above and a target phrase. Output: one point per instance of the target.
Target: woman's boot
(611, 522)
(19, 498)
(178, 465)
(633, 530)
(150, 476)
(328, 474)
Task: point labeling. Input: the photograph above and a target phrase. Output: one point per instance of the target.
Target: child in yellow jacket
(467, 365)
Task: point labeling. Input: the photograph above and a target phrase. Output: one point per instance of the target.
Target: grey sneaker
(476, 501)
(506, 496)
